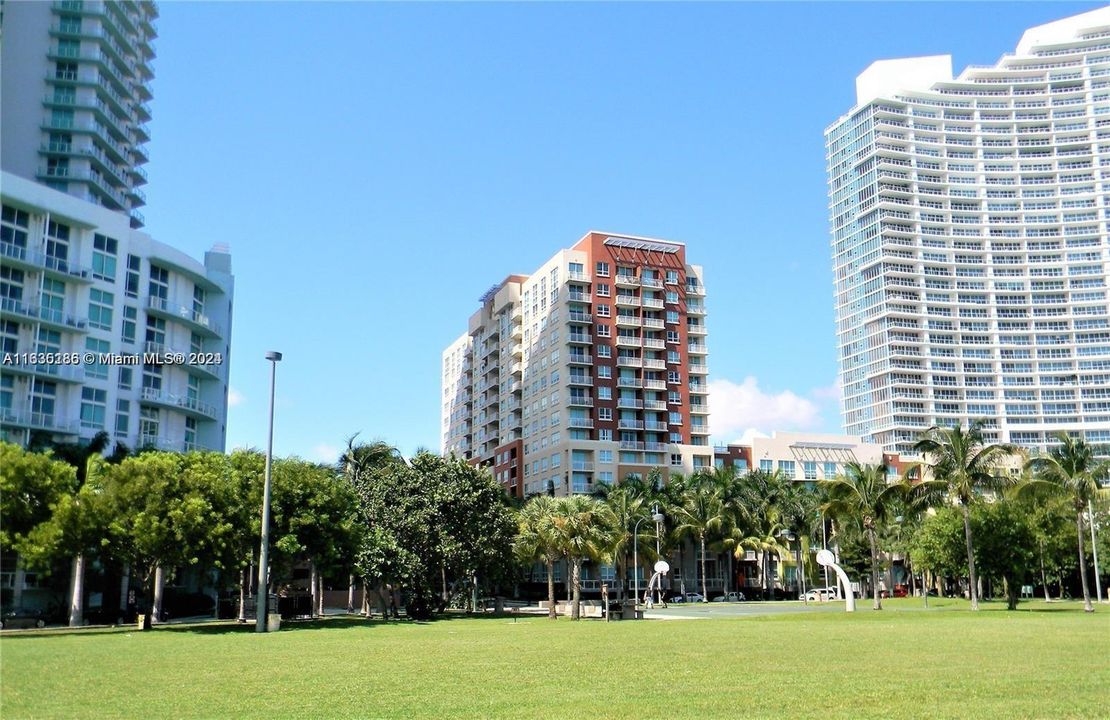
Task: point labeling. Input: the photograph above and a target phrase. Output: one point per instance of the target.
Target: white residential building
(970, 242)
(101, 327)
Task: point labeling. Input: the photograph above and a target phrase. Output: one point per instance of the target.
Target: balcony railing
(181, 402)
(580, 422)
(630, 424)
(653, 303)
(61, 373)
(582, 466)
(184, 313)
(580, 401)
(631, 445)
(16, 254)
(629, 403)
(630, 362)
(579, 359)
(34, 311)
(580, 380)
(655, 425)
(37, 421)
(629, 382)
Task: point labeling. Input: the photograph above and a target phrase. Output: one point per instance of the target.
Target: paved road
(677, 611)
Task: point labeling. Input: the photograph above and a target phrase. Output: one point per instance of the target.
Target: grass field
(1043, 661)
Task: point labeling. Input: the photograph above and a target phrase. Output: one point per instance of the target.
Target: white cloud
(234, 397)
(739, 412)
(325, 453)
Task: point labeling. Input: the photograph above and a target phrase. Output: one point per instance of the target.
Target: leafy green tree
(160, 514)
(581, 525)
(963, 466)
(938, 545)
(863, 495)
(31, 486)
(1071, 470)
(629, 505)
(429, 517)
(537, 540)
(1006, 544)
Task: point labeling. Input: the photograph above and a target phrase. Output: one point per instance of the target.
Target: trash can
(141, 623)
(273, 622)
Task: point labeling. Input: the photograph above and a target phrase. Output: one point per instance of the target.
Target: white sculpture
(827, 559)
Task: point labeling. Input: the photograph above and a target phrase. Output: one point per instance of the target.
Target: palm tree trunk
(576, 598)
(704, 586)
(731, 573)
(878, 604)
(77, 592)
(350, 593)
(551, 588)
(1087, 607)
(320, 593)
(972, 588)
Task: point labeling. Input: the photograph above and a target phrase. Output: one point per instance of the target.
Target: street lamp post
(260, 609)
(658, 518)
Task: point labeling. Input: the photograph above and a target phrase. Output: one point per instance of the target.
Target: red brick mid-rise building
(591, 368)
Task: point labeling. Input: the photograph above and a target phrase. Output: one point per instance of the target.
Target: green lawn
(1043, 661)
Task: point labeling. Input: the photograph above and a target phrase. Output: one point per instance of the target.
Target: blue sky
(376, 167)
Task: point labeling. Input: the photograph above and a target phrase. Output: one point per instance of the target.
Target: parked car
(901, 591)
(820, 594)
(730, 597)
(695, 597)
(22, 619)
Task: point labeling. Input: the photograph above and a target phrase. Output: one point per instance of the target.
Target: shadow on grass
(229, 627)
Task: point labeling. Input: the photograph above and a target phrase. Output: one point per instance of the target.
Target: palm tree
(1070, 470)
(581, 525)
(700, 513)
(537, 539)
(962, 466)
(862, 493)
(628, 505)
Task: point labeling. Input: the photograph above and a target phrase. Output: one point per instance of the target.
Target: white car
(731, 597)
(695, 597)
(821, 594)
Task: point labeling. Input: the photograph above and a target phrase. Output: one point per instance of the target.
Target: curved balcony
(161, 307)
(190, 406)
(37, 261)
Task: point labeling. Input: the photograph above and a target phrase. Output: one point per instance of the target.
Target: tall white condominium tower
(969, 242)
(76, 77)
(591, 369)
(101, 327)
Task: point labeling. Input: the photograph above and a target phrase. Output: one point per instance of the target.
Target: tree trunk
(704, 584)
(242, 596)
(1044, 580)
(443, 581)
(365, 612)
(350, 593)
(566, 578)
(972, 587)
(124, 588)
(620, 564)
(878, 604)
(551, 588)
(159, 584)
(320, 593)
(1087, 607)
(312, 578)
(576, 597)
(20, 580)
(77, 592)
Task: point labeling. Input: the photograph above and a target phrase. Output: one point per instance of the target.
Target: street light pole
(658, 518)
(260, 609)
(636, 561)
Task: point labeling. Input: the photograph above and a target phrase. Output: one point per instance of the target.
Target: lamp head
(658, 517)
(273, 355)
